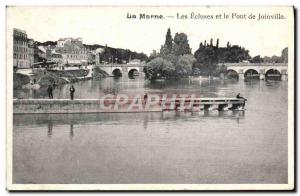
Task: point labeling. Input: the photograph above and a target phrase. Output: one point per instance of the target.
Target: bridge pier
(241, 76)
(262, 76)
(284, 77)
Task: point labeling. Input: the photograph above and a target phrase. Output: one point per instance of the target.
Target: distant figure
(238, 96)
(50, 92)
(145, 98)
(72, 91)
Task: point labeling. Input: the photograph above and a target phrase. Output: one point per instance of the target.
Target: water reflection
(71, 131)
(53, 120)
(50, 129)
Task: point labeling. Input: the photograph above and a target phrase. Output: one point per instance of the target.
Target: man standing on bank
(72, 91)
(50, 91)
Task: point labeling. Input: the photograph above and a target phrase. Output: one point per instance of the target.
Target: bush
(184, 65)
(159, 68)
(170, 67)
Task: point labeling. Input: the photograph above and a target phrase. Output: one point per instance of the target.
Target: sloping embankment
(19, 80)
(98, 73)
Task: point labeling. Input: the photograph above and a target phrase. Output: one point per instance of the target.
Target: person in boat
(72, 91)
(238, 96)
(50, 91)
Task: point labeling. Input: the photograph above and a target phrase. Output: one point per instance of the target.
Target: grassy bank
(19, 80)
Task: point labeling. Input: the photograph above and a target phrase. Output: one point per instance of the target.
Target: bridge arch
(272, 70)
(133, 71)
(116, 71)
(251, 73)
(232, 73)
(247, 69)
(272, 74)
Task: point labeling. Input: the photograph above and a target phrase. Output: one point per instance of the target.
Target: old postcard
(150, 98)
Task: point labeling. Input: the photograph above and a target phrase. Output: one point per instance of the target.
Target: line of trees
(273, 59)
(209, 56)
(175, 59)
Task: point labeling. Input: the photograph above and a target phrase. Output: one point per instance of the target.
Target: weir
(56, 106)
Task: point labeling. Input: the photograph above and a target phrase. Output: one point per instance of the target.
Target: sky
(110, 25)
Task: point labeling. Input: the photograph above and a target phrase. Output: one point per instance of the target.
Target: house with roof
(72, 51)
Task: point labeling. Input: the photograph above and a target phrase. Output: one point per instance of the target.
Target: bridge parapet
(253, 64)
(121, 65)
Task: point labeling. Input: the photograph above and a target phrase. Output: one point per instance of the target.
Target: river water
(187, 148)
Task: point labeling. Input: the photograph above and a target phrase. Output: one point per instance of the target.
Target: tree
(284, 55)
(267, 59)
(184, 65)
(276, 59)
(166, 49)
(208, 56)
(201, 45)
(228, 45)
(181, 45)
(206, 59)
(174, 59)
(257, 59)
(169, 40)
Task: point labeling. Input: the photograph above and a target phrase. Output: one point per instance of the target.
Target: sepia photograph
(150, 98)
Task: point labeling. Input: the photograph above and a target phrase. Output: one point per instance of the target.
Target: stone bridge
(121, 69)
(259, 70)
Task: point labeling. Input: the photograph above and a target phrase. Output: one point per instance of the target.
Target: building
(98, 53)
(72, 51)
(42, 54)
(32, 51)
(91, 57)
(21, 53)
(56, 57)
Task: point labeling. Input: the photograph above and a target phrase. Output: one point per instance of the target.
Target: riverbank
(43, 78)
